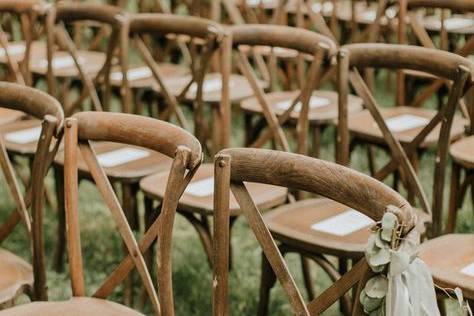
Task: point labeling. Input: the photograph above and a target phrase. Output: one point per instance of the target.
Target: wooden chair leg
(130, 208)
(308, 282)
(343, 306)
(371, 159)
(267, 281)
(453, 198)
(204, 234)
(316, 141)
(58, 262)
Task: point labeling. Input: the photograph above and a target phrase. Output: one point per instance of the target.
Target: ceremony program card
(314, 102)
(343, 224)
(121, 156)
(201, 188)
(405, 122)
(24, 136)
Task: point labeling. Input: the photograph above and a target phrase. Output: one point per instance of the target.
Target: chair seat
(292, 224)
(196, 199)
(462, 152)
(131, 171)
(77, 306)
(8, 116)
(447, 256)
(91, 61)
(321, 113)
(141, 76)
(280, 52)
(16, 276)
(22, 147)
(363, 126)
(239, 88)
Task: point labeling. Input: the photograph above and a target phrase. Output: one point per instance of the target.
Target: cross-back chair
(68, 63)
(197, 42)
(17, 276)
(406, 132)
(288, 223)
(185, 154)
(235, 167)
(197, 206)
(462, 171)
(15, 48)
(449, 27)
(304, 108)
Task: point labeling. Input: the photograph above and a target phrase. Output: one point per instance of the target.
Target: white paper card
(405, 122)
(343, 224)
(61, 62)
(13, 49)
(457, 23)
(24, 136)
(468, 270)
(201, 188)
(121, 156)
(314, 102)
(211, 85)
(133, 74)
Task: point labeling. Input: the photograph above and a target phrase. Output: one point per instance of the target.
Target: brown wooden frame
(234, 166)
(41, 106)
(153, 134)
(438, 63)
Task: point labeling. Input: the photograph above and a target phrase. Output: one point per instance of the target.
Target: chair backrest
(47, 109)
(235, 166)
(311, 47)
(151, 134)
(450, 67)
(106, 19)
(199, 44)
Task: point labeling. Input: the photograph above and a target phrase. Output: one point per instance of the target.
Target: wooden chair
(425, 127)
(450, 28)
(14, 48)
(449, 258)
(66, 63)
(235, 167)
(306, 108)
(171, 142)
(17, 276)
(462, 162)
(289, 223)
(196, 205)
(197, 42)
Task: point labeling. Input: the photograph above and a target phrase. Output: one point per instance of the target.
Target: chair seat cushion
(77, 306)
(16, 275)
